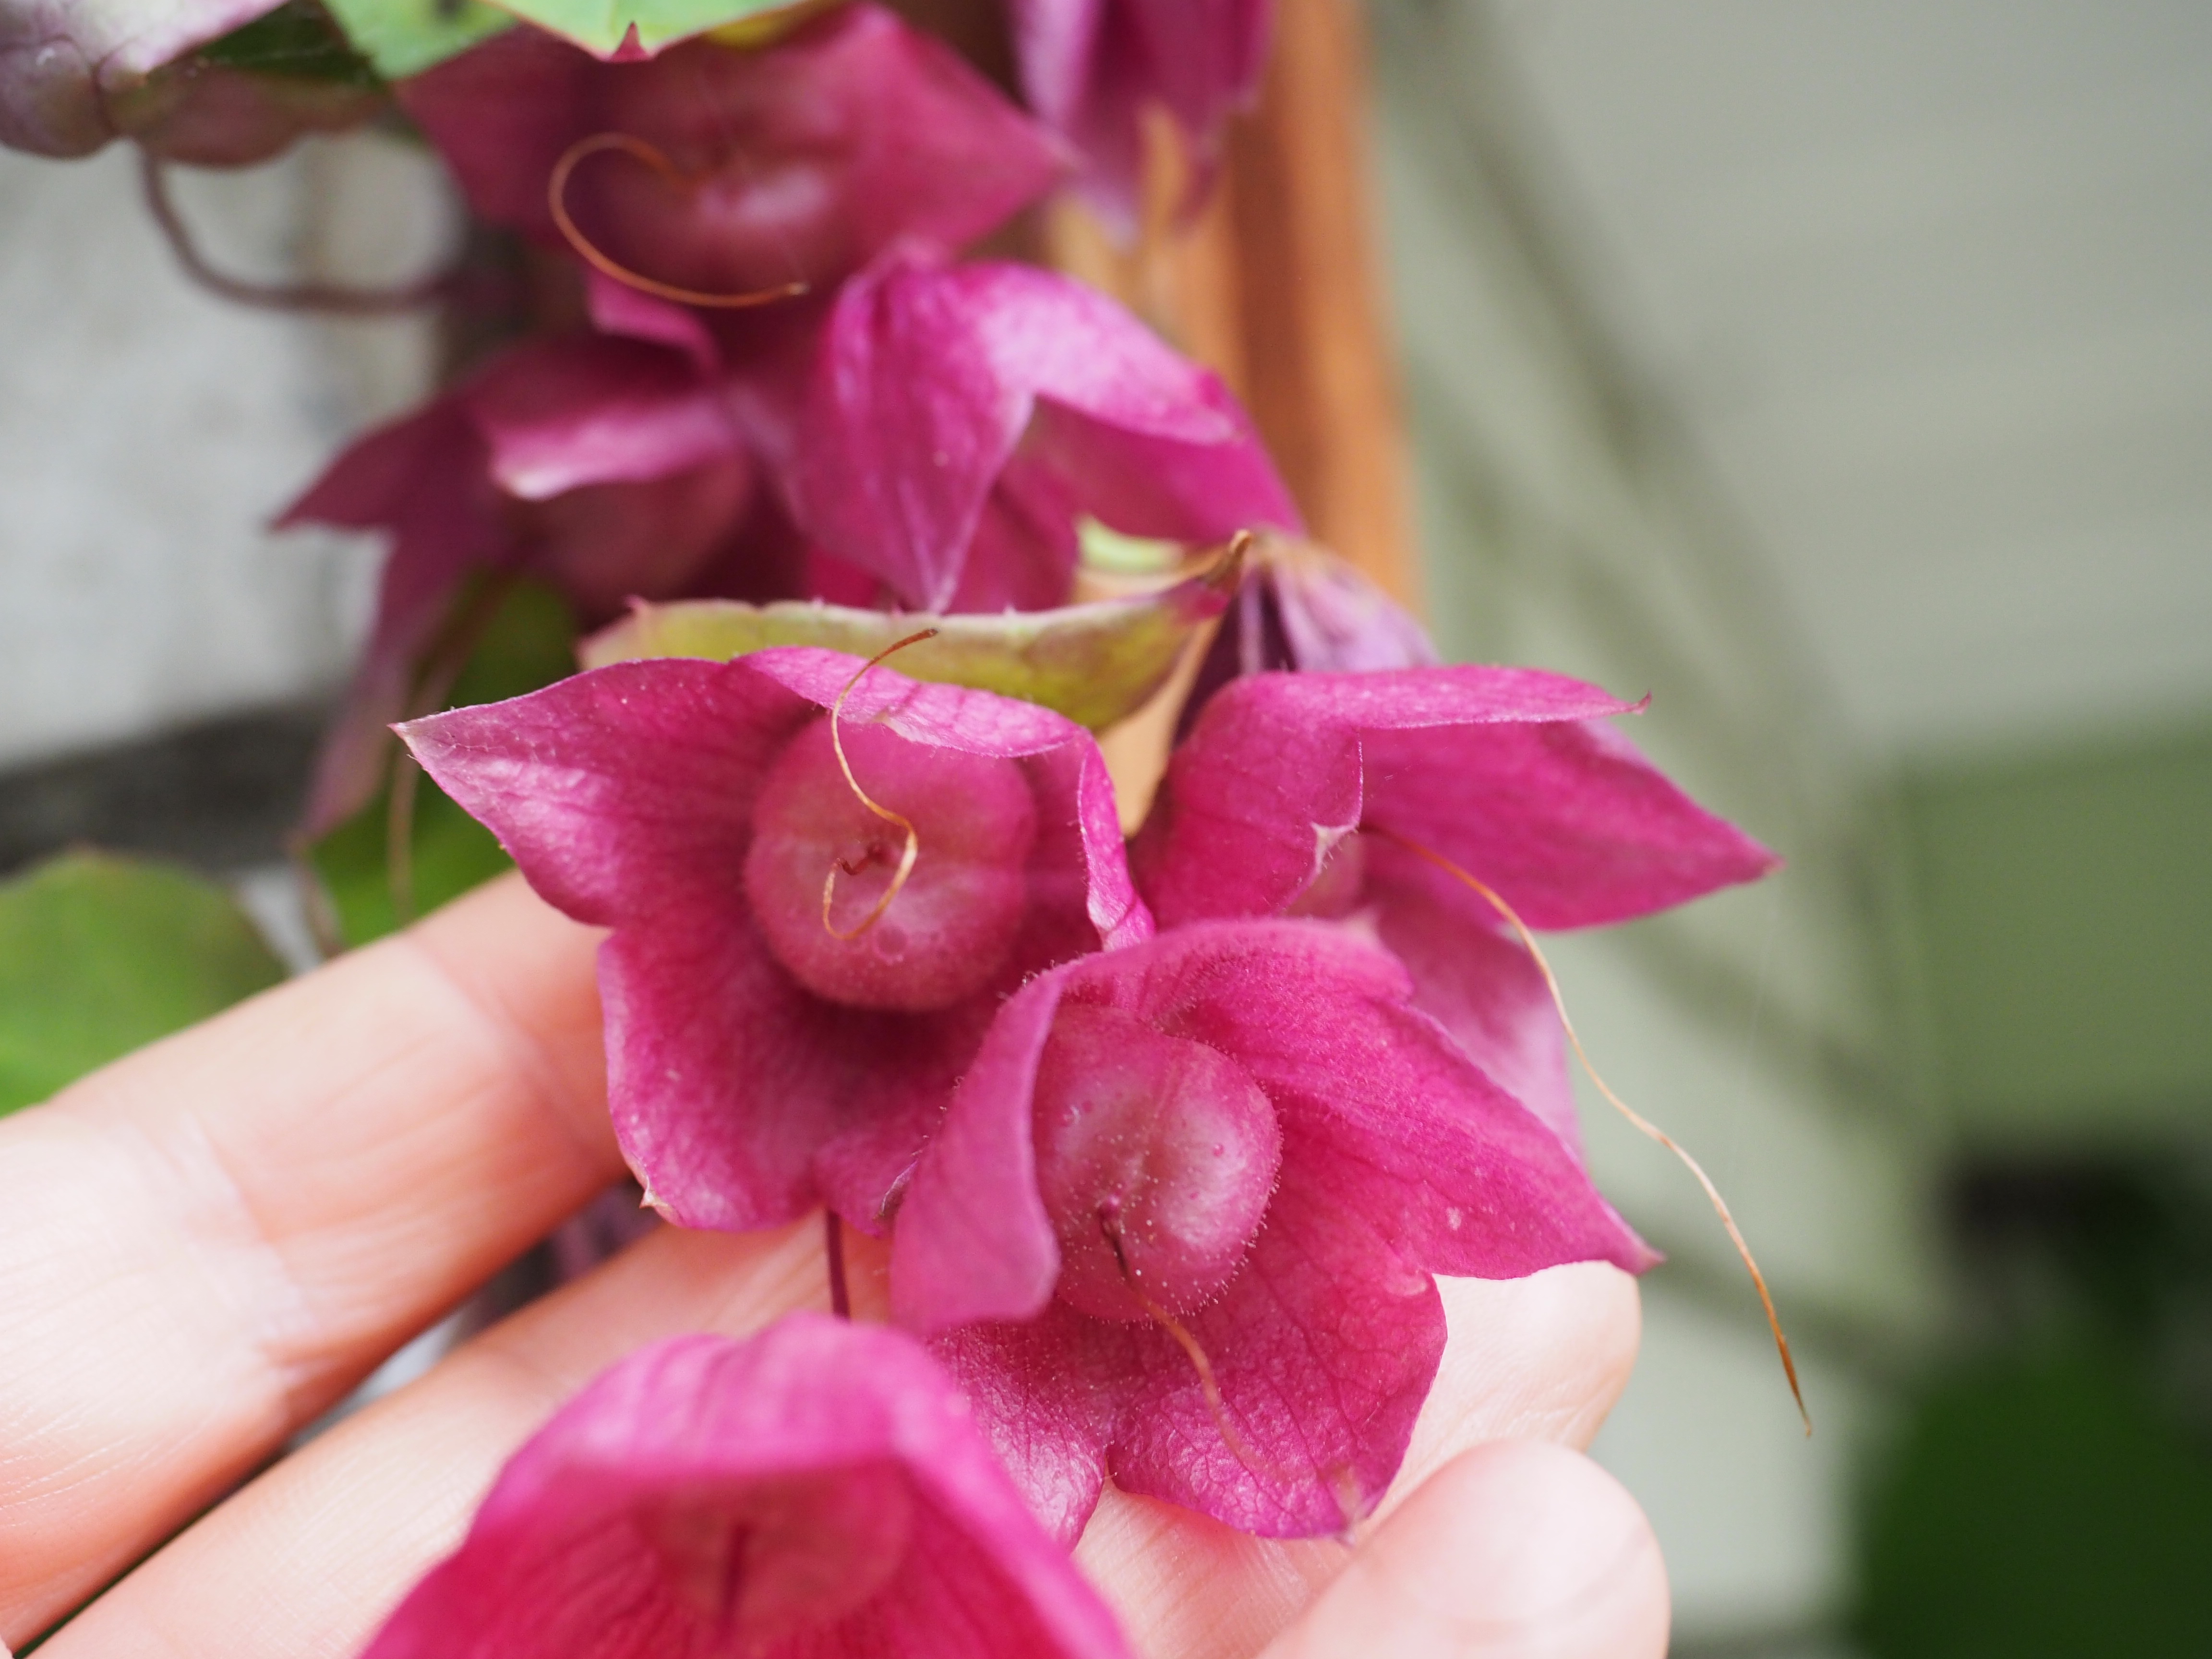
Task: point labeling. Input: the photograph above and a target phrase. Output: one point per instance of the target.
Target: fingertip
(1515, 1550)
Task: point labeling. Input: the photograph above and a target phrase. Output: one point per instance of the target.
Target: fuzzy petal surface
(626, 796)
(1400, 1159)
(819, 1491)
(801, 161)
(1502, 770)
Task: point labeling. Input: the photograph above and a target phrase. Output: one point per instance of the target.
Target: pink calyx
(1156, 1157)
(951, 924)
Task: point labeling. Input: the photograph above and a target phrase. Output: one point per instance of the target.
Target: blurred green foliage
(529, 642)
(297, 40)
(2065, 907)
(2041, 1506)
(100, 955)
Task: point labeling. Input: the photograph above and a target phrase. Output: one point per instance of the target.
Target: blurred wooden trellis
(1276, 282)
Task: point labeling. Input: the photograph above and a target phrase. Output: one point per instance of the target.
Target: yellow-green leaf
(1097, 663)
(100, 955)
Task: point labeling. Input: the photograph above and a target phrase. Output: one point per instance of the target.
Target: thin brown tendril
(1560, 1002)
(1343, 1485)
(329, 298)
(1199, 1363)
(556, 198)
(913, 837)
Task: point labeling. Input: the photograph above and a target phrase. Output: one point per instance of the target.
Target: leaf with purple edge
(1098, 663)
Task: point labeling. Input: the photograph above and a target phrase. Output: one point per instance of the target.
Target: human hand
(206, 1244)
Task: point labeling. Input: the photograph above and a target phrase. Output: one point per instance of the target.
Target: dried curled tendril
(1648, 1128)
(557, 200)
(326, 299)
(913, 837)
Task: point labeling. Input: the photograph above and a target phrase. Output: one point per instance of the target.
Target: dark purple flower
(760, 1063)
(1091, 68)
(1186, 1203)
(960, 417)
(817, 1492)
(1304, 791)
(801, 161)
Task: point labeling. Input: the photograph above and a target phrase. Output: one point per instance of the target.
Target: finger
(205, 1244)
(1517, 1550)
(1541, 1357)
(309, 1559)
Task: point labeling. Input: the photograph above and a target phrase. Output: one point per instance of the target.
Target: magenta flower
(1303, 791)
(798, 162)
(962, 417)
(1301, 607)
(1188, 1198)
(817, 1492)
(1091, 68)
(74, 76)
(610, 467)
(769, 1048)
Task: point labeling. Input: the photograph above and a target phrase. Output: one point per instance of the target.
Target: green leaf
(1097, 664)
(298, 41)
(601, 26)
(100, 955)
(406, 36)
(529, 642)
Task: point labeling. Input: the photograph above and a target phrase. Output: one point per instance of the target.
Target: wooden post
(1276, 283)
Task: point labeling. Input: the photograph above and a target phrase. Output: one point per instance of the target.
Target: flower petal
(928, 380)
(1502, 770)
(627, 795)
(1476, 980)
(1461, 1177)
(563, 413)
(818, 1489)
(1046, 1394)
(801, 161)
(1092, 67)
(423, 480)
(973, 1241)
(1322, 1348)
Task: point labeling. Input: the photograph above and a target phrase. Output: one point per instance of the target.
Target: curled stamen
(913, 850)
(556, 198)
(1560, 1002)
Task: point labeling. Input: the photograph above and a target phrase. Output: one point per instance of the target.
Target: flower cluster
(1170, 1137)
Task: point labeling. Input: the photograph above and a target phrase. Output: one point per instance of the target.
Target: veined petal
(1502, 770)
(819, 1491)
(745, 1086)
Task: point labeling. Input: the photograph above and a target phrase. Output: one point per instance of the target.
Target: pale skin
(204, 1245)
